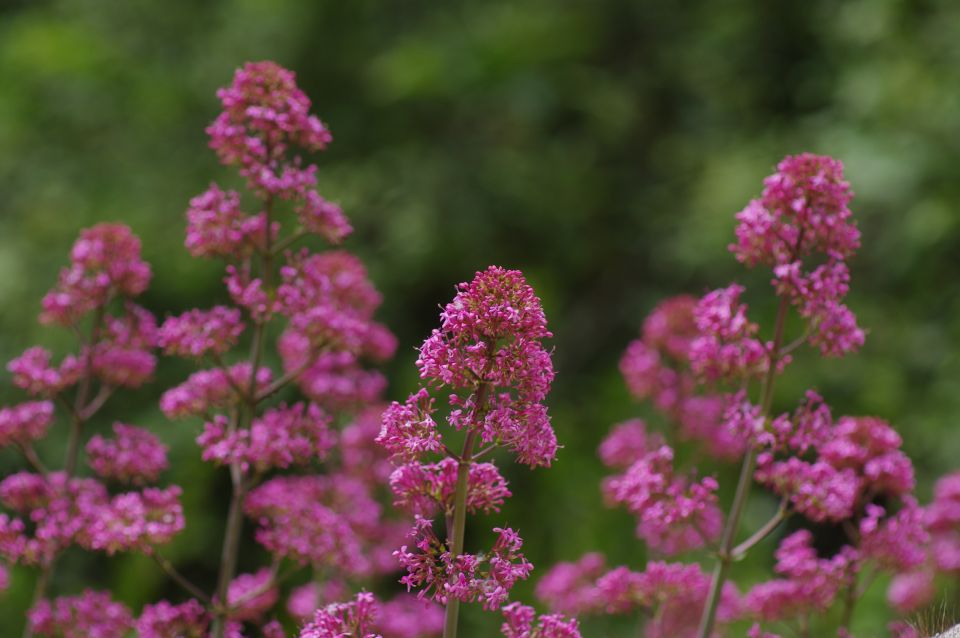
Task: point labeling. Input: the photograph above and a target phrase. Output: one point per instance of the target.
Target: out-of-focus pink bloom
(570, 588)
(200, 332)
(356, 618)
(250, 596)
(164, 620)
(521, 621)
(25, 423)
(133, 455)
(89, 614)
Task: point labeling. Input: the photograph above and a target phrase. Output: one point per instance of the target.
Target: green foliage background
(600, 146)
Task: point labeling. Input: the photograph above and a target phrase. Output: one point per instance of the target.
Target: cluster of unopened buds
(313, 454)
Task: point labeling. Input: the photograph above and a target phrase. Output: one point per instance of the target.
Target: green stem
(725, 556)
(234, 527)
(457, 535)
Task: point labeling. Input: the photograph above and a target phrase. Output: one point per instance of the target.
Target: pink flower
(217, 228)
(323, 218)
(250, 596)
(674, 514)
(134, 455)
(356, 618)
(408, 429)
(165, 620)
(425, 488)
(197, 333)
(134, 521)
(208, 390)
(668, 591)
(626, 443)
(404, 616)
(894, 542)
(808, 585)
(298, 518)
(264, 115)
(89, 614)
(521, 621)
(280, 437)
(467, 577)
(803, 209)
(726, 348)
(870, 447)
(910, 591)
(817, 490)
(571, 588)
(24, 423)
(105, 261)
(32, 372)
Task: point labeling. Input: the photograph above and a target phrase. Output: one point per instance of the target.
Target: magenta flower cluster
(286, 403)
(696, 362)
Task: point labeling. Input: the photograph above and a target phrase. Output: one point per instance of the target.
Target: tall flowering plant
(488, 354)
(52, 508)
(704, 365)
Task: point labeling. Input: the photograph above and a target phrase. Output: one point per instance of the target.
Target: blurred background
(602, 147)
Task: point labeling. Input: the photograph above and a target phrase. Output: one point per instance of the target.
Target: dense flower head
(355, 618)
(105, 261)
(133, 455)
(404, 616)
(521, 621)
(213, 389)
(807, 428)
(408, 429)
(491, 333)
(870, 447)
(425, 488)
(670, 327)
(727, 348)
(894, 542)
(674, 513)
(627, 442)
(297, 518)
(570, 588)
(200, 332)
(264, 114)
(278, 438)
(335, 380)
(134, 521)
(668, 591)
(801, 227)
(89, 614)
(123, 357)
(439, 575)
(330, 302)
(911, 590)
(166, 620)
(24, 423)
(216, 227)
(808, 583)
(323, 218)
(33, 372)
(817, 490)
(250, 596)
(804, 209)
(58, 507)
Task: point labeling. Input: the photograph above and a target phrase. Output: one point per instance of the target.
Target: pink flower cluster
(366, 617)
(803, 214)
(674, 513)
(521, 621)
(440, 575)
(425, 488)
(25, 423)
(657, 367)
(105, 263)
(133, 455)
